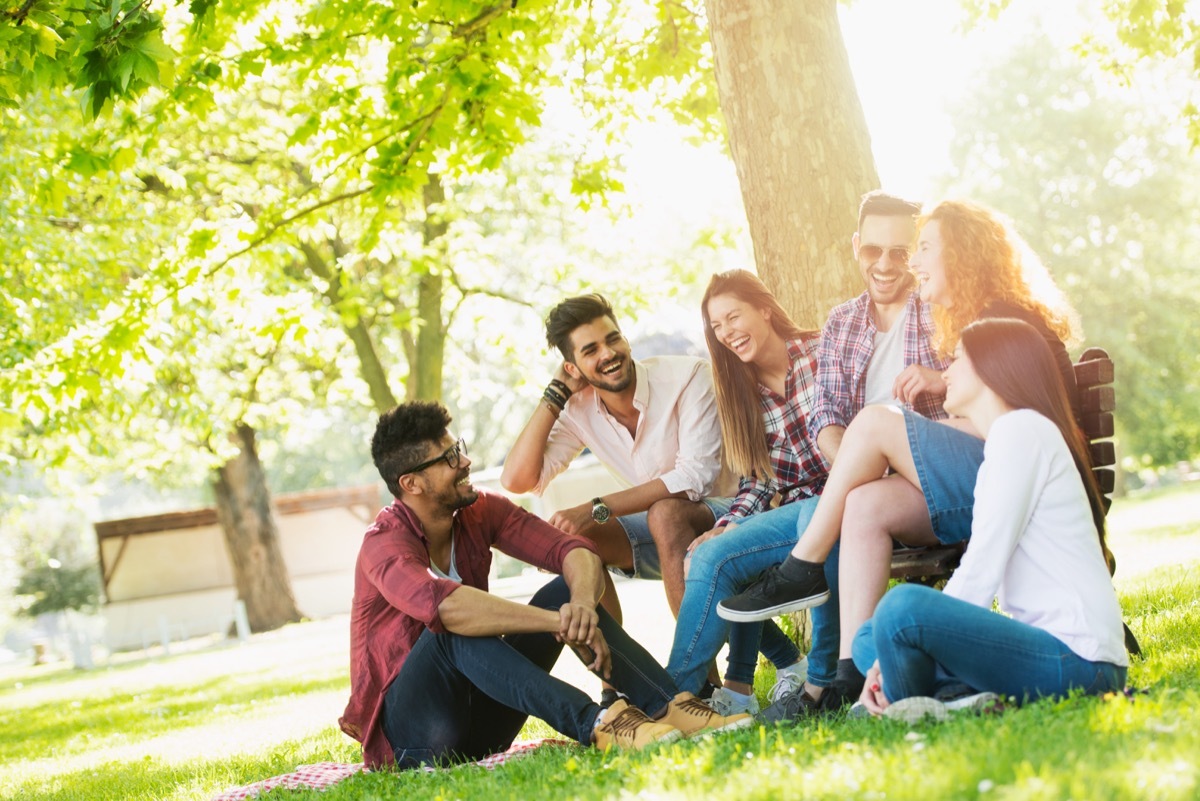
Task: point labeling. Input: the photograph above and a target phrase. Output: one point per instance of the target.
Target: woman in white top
(1037, 545)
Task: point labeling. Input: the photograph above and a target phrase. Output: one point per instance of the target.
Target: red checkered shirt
(799, 469)
(847, 344)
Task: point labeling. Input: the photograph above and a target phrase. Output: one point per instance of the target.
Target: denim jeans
(924, 639)
(461, 698)
(726, 565)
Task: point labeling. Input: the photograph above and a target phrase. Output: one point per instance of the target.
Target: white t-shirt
(887, 362)
(1033, 544)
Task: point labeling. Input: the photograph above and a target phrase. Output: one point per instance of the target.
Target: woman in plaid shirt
(764, 369)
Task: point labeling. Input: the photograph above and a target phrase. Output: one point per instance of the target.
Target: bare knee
(675, 522)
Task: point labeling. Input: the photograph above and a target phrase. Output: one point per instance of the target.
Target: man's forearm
(475, 613)
(584, 574)
(523, 465)
(829, 440)
(640, 498)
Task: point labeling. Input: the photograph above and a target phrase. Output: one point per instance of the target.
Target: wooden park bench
(1094, 378)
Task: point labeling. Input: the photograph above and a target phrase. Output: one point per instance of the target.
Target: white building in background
(168, 576)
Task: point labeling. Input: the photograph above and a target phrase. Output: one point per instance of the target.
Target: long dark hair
(1015, 362)
(735, 382)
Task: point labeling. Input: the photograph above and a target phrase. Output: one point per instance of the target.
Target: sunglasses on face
(452, 456)
(872, 254)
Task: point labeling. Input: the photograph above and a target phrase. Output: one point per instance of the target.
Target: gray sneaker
(976, 703)
(787, 683)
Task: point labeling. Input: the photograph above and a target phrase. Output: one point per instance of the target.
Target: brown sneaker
(626, 726)
(695, 718)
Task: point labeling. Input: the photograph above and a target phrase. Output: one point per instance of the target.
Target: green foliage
(55, 587)
(1104, 189)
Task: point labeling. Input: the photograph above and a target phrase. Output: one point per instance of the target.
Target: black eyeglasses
(872, 254)
(452, 456)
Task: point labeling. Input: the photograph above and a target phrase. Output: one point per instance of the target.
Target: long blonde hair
(736, 382)
(983, 262)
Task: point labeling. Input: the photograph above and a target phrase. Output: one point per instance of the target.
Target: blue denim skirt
(947, 462)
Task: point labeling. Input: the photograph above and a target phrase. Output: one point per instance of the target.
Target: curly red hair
(983, 264)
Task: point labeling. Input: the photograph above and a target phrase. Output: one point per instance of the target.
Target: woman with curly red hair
(969, 265)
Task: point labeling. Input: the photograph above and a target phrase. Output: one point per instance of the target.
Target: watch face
(600, 511)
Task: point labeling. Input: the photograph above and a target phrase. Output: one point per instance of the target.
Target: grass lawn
(195, 725)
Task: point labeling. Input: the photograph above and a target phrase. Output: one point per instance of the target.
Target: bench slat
(1098, 425)
(1106, 477)
(1098, 399)
(1103, 453)
(1094, 372)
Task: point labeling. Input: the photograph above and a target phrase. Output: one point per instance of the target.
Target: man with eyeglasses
(441, 670)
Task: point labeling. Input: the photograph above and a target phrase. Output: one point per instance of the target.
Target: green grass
(192, 726)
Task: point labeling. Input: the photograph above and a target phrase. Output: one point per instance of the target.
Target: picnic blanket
(320, 775)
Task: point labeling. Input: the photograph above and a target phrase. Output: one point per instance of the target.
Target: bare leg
(875, 513)
(875, 440)
(674, 523)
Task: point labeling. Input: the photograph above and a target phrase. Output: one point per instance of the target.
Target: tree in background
(1104, 187)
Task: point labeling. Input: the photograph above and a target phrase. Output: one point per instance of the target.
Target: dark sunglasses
(872, 254)
(452, 456)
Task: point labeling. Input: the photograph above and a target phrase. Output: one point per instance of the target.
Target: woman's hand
(696, 543)
(872, 694)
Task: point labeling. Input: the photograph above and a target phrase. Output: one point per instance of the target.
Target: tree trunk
(244, 509)
(426, 356)
(800, 143)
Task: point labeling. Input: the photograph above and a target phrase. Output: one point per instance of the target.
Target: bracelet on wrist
(561, 386)
(554, 410)
(554, 397)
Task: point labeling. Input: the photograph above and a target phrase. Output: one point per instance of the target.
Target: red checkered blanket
(320, 775)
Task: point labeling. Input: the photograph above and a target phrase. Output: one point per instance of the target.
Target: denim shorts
(646, 563)
(947, 463)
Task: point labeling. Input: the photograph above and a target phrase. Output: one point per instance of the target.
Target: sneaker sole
(978, 704)
(745, 723)
(738, 616)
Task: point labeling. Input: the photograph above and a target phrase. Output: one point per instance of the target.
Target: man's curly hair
(402, 437)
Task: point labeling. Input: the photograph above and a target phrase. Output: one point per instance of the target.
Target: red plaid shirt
(847, 344)
(799, 469)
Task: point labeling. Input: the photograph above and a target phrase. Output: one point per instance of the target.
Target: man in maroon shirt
(441, 670)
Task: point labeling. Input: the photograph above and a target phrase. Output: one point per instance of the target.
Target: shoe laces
(627, 721)
(796, 701)
(694, 706)
(788, 682)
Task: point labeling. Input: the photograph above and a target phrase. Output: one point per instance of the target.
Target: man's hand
(574, 519)
(916, 380)
(595, 655)
(872, 694)
(574, 384)
(576, 623)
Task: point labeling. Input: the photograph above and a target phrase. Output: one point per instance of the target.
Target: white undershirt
(887, 360)
(454, 575)
(1033, 543)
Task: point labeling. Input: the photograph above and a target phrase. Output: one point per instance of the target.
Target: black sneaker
(774, 595)
(609, 696)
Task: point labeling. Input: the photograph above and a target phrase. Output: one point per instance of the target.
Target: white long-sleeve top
(1033, 543)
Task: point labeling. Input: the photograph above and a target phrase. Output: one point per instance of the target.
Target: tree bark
(800, 144)
(244, 509)
(426, 357)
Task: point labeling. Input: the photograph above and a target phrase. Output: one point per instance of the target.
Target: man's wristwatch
(600, 510)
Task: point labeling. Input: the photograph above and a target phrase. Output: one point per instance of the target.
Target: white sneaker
(726, 702)
(978, 703)
(916, 708)
(788, 683)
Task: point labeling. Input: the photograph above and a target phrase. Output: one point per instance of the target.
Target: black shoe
(608, 696)
(706, 692)
(799, 705)
(774, 595)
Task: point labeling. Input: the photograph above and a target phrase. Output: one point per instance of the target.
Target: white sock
(799, 669)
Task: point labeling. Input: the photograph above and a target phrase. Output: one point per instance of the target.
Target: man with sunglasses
(443, 671)
(878, 347)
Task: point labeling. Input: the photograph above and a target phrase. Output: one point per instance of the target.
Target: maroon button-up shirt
(396, 596)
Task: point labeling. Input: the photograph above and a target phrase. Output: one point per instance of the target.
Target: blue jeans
(723, 567)
(462, 698)
(924, 639)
